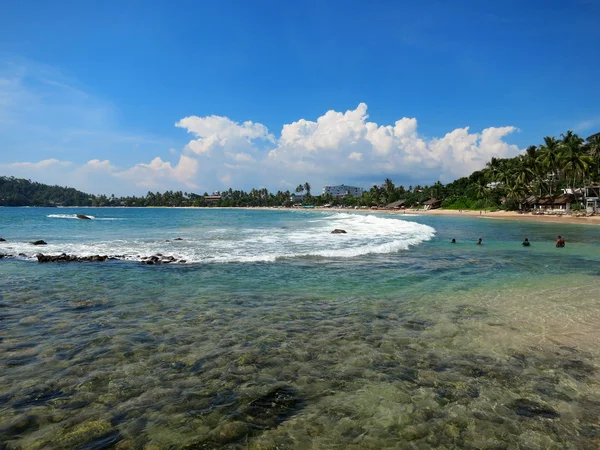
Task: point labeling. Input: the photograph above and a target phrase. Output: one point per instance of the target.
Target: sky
(130, 96)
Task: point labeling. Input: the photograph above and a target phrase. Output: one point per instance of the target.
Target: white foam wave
(366, 234)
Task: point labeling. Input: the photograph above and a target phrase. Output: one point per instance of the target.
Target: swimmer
(526, 243)
(480, 241)
(453, 241)
(560, 242)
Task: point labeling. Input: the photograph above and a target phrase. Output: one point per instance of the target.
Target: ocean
(269, 332)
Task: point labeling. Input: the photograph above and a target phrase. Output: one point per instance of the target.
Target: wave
(304, 236)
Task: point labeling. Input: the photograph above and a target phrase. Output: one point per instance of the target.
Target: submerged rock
(83, 217)
(338, 231)
(69, 258)
(39, 242)
(274, 408)
(2, 240)
(530, 408)
(94, 434)
(178, 239)
(37, 397)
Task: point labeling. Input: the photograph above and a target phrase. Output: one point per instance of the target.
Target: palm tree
(307, 188)
(575, 163)
(515, 192)
(300, 188)
(549, 156)
(504, 174)
(389, 191)
(481, 190)
(493, 166)
(593, 149)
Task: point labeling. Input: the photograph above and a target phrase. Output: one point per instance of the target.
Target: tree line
(566, 163)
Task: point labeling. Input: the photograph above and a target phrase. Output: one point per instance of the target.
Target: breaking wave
(308, 236)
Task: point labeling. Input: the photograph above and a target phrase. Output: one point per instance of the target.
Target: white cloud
(99, 166)
(45, 164)
(244, 157)
(221, 133)
(161, 174)
(336, 147)
(329, 148)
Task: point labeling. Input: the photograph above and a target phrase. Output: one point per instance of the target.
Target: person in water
(560, 242)
(453, 241)
(480, 241)
(526, 243)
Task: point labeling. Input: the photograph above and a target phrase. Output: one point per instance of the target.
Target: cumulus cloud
(215, 133)
(160, 174)
(348, 145)
(337, 147)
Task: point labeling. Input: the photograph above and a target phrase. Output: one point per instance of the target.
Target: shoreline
(507, 215)
(496, 215)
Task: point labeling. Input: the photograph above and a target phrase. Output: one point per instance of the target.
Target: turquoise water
(275, 333)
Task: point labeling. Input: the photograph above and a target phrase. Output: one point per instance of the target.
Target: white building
(341, 190)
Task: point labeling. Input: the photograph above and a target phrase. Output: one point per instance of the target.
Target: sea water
(275, 333)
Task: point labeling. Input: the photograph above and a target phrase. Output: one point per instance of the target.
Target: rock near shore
(70, 258)
(158, 259)
(2, 240)
(40, 242)
(338, 231)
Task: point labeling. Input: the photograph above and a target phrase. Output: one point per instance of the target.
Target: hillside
(21, 192)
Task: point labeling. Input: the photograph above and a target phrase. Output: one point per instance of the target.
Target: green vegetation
(566, 163)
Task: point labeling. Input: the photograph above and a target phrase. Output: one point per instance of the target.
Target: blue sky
(131, 96)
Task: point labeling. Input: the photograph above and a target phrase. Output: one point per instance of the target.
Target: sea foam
(307, 236)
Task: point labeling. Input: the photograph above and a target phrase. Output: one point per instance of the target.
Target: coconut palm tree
(481, 190)
(549, 156)
(593, 149)
(307, 188)
(575, 163)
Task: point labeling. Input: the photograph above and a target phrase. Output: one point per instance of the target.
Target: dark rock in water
(338, 231)
(37, 396)
(182, 261)
(69, 258)
(22, 425)
(159, 258)
(530, 408)
(2, 240)
(274, 408)
(83, 217)
(417, 324)
(40, 242)
(178, 239)
(106, 441)
(578, 369)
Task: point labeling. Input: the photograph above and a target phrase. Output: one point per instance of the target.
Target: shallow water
(427, 346)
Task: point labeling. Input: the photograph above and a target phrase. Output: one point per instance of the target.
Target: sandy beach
(500, 215)
(506, 215)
